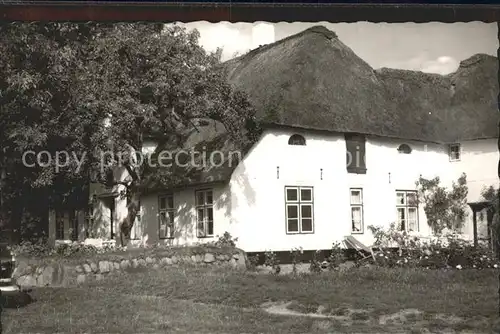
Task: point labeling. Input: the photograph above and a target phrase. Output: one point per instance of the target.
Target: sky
(429, 47)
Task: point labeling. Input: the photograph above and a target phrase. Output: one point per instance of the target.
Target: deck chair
(363, 250)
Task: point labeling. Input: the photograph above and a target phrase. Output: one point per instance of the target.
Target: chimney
(262, 34)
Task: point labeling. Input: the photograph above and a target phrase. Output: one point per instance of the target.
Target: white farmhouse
(342, 147)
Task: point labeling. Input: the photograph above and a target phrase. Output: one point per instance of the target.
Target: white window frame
(406, 207)
(299, 202)
(166, 228)
(202, 226)
(357, 206)
(451, 154)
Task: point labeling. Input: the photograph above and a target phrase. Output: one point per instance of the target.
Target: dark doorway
(109, 202)
(477, 208)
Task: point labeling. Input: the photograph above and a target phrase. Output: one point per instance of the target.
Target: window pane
(170, 202)
(201, 215)
(200, 198)
(306, 195)
(356, 214)
(210, 214)
(170, 215)
(163, 203)
(210, 228)
(291, 194)
(163, 220)
(201, 229)
(356, 219)
(292, 211)
(307, 225)
(163, 225)
(400, 198)
(401, 213)
(412, 213)
(209, 197)
(412, 219)
(306, 211)
(293, 225)
(356, 226)
(355, 196)
(412, 198)
(402, 218)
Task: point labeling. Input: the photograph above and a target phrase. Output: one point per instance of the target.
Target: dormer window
(355, 153)
(296, 140)
(454, 152)
(404, 149)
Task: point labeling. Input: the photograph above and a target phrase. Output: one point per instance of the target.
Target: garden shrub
(253, 261)
(271, 260)
(336, 256)
(295, 254)
(315, 266)
(399, 249)
(42, 248)
(226, 240)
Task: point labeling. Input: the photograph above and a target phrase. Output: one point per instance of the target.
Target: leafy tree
(444, 208)
(491, 194)
(61, 83)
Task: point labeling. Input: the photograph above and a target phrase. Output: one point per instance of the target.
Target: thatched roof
(210, 136)
(312, 80)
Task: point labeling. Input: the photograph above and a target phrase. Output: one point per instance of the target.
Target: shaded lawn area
(216, 300)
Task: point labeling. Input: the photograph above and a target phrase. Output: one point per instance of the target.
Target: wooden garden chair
(364, 251)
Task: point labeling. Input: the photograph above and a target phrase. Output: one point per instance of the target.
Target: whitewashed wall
(479, 160)
(185, 216)
(252, 206)
(258, 194)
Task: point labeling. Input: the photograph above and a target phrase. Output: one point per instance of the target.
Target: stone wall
(71, 271)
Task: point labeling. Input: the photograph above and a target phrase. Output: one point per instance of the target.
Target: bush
(295, 254)
(271, 260)
(253, 262)
(42, 248)
(226, 240)
(315, 266)
(410, 251)
(336, 256)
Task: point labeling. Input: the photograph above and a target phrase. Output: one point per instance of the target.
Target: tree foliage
(60, 84)
(445, 209)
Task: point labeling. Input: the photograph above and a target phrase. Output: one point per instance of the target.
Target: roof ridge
(474, 59)
(319, 29)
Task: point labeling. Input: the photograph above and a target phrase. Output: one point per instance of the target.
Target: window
(167, 213)
(404, 149)
(407, 208)
(454, 152)
(59, 225)
(355, 154)
(299, 210)
(296, 140)
(89, 220)
(357, 210)
(73, 220)
(205, 213)
(136, 232)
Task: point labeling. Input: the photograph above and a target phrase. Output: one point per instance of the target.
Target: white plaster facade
(251, 206)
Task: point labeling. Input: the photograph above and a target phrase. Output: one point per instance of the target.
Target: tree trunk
(133, 206)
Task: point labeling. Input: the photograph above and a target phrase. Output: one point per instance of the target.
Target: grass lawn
(215, 300)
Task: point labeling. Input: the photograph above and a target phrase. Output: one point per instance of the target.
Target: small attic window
(296, 140)
(404, 149)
